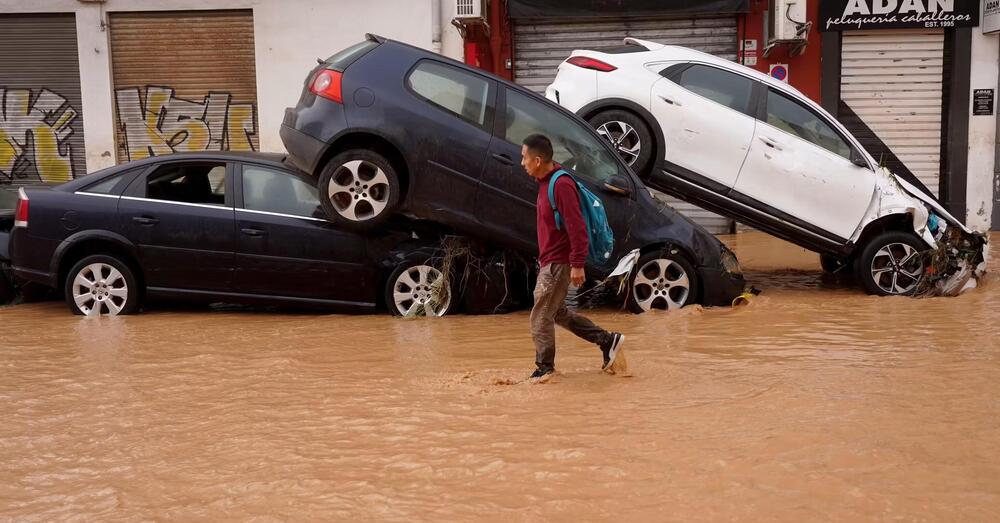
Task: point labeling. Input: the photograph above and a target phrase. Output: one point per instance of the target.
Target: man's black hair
(540, 145)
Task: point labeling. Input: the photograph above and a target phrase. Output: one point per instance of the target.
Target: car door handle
(503, 158)
(770, 143)
(145, 220)
(670, 101)
(256, 233)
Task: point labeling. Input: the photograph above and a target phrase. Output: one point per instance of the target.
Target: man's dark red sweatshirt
(566, 245)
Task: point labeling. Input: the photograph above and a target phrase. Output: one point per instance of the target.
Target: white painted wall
(288, 36)
(982, 133)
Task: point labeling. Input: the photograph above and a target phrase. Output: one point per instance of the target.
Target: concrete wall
(982, 133)
(289, 35)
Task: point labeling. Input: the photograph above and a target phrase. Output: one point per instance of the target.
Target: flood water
(813, 402)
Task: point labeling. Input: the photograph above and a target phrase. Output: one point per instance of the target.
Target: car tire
(892, 264)
(629, 136)
(661, 279)
(359, 189)
(101, 284)
(834, 264)
(412, 288)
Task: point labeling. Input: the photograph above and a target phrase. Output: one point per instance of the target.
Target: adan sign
(991, 16)
(846, 15)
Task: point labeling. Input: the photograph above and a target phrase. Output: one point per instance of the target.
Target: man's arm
(568, 203)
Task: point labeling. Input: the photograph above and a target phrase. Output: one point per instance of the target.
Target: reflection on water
(813, 402)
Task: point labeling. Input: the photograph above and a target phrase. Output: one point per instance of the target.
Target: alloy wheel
(359, 190)
(100, 287)
(661, 284)
(623, 138)
(896, 268)
(421, 290)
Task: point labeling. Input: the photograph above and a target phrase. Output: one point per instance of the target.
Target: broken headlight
(730, 263)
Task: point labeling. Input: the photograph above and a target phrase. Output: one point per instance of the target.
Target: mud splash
(813, 402)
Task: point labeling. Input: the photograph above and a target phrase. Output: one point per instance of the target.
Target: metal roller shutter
(184, 81)
(892, 83)
(541, 45)
(41, 116)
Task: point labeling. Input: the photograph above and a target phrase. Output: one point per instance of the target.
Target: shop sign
(847, 15)
(991, 16)
(982, 102)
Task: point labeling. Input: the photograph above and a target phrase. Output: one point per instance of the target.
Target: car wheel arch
(901, 222)
(374, 142)
(588, 111)
(86, 243)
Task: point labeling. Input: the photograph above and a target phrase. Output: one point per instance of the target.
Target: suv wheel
(662, 280)
(359, 189)
(629, 136)
(101, 284)
(418, 287)
(892, 264)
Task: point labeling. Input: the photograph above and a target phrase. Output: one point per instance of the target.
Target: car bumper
(304, 151)
(720, 287)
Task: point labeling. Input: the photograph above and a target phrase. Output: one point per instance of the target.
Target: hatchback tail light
(21, 211)
(591, 63)
(327, 84)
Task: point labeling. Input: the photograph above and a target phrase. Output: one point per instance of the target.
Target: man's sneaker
(541, 373)
(610, 348)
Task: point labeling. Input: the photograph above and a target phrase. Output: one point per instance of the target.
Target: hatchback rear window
(345, 58)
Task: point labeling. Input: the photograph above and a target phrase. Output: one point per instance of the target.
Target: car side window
(794, 118)
(573, 144)
(463, 94)
(723, 87)
(105, 186)
(272, 190)
(202, 183)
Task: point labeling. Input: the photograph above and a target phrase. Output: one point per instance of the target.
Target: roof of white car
(658, 51)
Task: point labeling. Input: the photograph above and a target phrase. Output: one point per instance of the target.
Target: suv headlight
(730, 263)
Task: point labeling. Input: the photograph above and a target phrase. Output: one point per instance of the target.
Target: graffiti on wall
(35, 126)
(157, 122)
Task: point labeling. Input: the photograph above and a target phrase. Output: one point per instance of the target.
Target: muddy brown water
(814, 402)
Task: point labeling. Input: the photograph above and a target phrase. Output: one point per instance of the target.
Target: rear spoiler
(652, 46)
(375, 38)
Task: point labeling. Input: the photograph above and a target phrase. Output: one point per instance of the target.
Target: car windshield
(346, 57)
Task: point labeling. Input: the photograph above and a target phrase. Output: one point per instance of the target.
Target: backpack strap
(552, 196)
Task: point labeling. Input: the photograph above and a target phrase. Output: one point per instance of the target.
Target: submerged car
(747, 146)
(389, 129)
(216, 227)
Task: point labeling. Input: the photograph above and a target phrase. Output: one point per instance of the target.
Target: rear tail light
(591, 63)
(327, 84)
(21, 211)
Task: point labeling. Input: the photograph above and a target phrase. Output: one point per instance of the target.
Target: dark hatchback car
(389, 128)
(215, 227)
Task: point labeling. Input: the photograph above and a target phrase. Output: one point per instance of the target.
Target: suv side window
(271, 190)
(796, 119)
(463, 94)
(573, 145)
(203, 183)
(723, 87)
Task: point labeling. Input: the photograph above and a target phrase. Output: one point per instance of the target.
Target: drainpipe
(436, 26)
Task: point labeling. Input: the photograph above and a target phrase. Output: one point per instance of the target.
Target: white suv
(742, 144)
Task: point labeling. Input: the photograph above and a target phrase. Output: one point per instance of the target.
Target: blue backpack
(601, 237)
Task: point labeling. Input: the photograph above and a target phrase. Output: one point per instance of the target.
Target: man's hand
(577, 276)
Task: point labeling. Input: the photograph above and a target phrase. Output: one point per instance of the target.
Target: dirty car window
(451, 89)
(270, 190)
(731, 90)
(791, 117)
(573, 145)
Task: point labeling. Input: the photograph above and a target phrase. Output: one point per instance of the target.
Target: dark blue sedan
(214, 227)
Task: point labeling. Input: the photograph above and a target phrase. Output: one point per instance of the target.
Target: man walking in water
(562, 253)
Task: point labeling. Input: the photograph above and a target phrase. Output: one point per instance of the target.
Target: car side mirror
(858, 159)
(618, 185)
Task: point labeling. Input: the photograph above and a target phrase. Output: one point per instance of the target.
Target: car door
(285, 247)
(180, 215)
(707, 122)
(506, 199)
(800, 165)
(453, 112)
